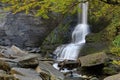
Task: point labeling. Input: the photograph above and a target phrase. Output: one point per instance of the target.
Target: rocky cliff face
(24, 30)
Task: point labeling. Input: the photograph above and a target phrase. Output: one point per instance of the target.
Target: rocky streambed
(16, 64)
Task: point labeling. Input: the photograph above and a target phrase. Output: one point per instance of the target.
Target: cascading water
(72, 50)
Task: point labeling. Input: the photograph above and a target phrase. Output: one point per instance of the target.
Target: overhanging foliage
(43, 7)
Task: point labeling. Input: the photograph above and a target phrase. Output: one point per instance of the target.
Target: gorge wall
(24, 30)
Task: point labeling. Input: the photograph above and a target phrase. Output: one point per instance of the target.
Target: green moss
(109, 71)
(116, 62)
(115, 51)
(116, 41)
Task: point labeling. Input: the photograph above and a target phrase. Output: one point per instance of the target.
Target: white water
(72, 50)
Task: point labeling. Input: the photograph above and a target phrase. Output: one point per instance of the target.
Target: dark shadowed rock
(50, 71)
(113, 77)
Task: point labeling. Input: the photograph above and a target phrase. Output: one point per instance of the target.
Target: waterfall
(72, 50)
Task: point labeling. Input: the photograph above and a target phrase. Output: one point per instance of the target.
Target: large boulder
(93, 59)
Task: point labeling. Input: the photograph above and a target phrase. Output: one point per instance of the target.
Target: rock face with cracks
(24, 30)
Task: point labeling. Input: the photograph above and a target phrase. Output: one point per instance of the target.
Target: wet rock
(113, 77)
(93, 59)
(50, 71)
(25, 74)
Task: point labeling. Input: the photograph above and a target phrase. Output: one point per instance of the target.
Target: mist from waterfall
(72, 50)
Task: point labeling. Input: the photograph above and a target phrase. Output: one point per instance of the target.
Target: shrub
(116, 42)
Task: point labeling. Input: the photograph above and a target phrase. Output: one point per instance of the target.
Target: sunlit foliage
(41, 7)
